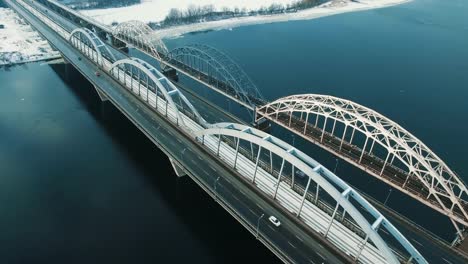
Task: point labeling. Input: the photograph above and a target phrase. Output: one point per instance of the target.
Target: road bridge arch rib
(370, 222)
(84, 35)
(155, 82)
(218, 69)
(399, 158)
(140, 35)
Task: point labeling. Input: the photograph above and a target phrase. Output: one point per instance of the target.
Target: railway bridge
(271, 176)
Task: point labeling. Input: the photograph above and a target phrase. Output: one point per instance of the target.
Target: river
(81, 184)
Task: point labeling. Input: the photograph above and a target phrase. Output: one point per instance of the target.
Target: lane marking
(271, 228)
(213, 169)
(259, 206)
(320, 255)
(299, 238)
(311, 261)
(447, 261)
(235, 197)
(417, 242)
(251, 211)
(292, 245)
(199, 157)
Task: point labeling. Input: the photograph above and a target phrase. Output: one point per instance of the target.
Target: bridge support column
(171, 73)
(262, 124)
(180, 172)
(118, 44)
(101, 94)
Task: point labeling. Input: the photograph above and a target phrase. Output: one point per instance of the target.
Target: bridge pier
(180, 172)
(171, 73)
(262, 124)
(118, 44)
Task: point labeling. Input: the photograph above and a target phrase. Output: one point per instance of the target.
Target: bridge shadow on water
(219, 235)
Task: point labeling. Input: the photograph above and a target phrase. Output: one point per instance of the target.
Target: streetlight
(336, 165)
(388, 196)
(258, 225)
(183, 153)
(215, 185)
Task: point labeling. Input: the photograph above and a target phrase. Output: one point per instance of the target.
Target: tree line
(96, 4)
(195, 14)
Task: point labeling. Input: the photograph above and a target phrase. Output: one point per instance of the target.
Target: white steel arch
(162, 84)
(446, 189)
(222, 66)
(94, 40)
(140, 35)
(339, 190)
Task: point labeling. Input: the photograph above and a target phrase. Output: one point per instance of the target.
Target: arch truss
(141, 36)
(317, 197)
(217, 70)
(375, 144)
(156, 90)
(91, 45)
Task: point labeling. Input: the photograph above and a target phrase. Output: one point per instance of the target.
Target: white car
(274, 221)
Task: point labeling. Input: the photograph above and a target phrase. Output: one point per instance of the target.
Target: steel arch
(139, 34)
(339, 190)
(163, 84)
(97, 43)
(441, 182)
(221, 65)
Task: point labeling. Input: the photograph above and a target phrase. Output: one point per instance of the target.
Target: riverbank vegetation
(98, 4)
(195, 14)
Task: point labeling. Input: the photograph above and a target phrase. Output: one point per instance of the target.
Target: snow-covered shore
(149, 9)
(19, 43)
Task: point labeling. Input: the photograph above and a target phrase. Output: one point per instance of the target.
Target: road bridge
(335, 213)
(399, 159)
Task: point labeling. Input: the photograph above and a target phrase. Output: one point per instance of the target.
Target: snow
(19, 42)
(333, 7)
(156, 10)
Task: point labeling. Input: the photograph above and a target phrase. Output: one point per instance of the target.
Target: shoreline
(324, 10)
(45, 58)
(20, 43)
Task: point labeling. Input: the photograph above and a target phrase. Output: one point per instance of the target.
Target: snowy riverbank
(155, 11)
(19, 43)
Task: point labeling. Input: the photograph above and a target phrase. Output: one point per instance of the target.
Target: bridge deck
(290, 242)
(213, 167)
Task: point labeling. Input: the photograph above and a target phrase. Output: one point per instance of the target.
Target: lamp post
(258, 225)
(183, 153)
(336, 165)
(388, 196)
(215, 185)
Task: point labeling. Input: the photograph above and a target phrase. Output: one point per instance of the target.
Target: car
(274, 221)
(98, 74)
(79, 58)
